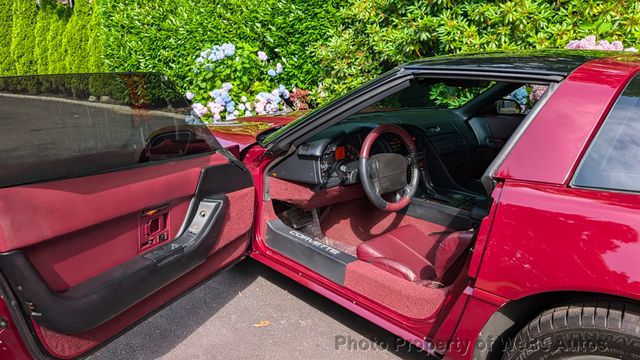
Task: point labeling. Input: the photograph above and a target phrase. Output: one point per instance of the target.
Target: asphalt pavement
(253, 312)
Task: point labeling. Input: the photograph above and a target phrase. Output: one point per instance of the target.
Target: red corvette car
(482, 206)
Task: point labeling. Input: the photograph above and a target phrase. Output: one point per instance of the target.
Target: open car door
(111, 205)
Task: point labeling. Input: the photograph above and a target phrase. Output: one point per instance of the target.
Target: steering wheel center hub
(387, 173)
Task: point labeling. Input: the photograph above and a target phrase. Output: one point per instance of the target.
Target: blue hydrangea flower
(192, 119)
(520, 95)
(271, 72)
(228, 49)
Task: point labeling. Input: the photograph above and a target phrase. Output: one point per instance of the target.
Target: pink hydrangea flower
(589, 43)
(537, 91)
(262, 56)
(199, 109)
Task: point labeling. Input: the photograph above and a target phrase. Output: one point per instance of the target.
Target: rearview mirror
(507, 107)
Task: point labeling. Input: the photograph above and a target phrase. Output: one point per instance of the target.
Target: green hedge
(49, 38)
(23, 39)
(167, 36)
(339, 43)
(7, 65)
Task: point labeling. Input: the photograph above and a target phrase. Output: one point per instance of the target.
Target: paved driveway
(253, 312)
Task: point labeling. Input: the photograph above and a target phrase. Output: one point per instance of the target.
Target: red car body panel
(243, 133)
(564, 126)
(12, 345)
(536, 227)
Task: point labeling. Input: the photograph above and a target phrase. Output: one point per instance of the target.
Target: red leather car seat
(413, 255)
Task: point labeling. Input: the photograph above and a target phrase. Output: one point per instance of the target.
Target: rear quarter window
(61, 126)
(613, 159)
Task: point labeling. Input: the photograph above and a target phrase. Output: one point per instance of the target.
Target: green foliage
(23, 38)
(43, 25)
(376, 35)
(56, 52)
(6, 23)
(168, 36)
(95, 58)
(75, 38)
(244, 70)
(338, 43)
(49, 38)
(452, 97)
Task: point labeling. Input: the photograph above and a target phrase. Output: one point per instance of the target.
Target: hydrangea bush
(251, 83)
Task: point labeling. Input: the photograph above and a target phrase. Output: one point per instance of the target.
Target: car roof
(559, 62)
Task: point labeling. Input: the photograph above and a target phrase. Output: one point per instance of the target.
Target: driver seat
(408, 253)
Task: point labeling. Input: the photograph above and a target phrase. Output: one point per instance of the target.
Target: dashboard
(331, 158)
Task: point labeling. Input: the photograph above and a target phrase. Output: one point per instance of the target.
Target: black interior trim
(317, 256)
(103, 297)
(449, 216)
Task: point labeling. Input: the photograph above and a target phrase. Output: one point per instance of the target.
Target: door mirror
(507, 107)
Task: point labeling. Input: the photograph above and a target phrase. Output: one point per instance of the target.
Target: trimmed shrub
(95, 60)
(7, 65)
(76, 38)
(44, 21)
(23, 39)
(57, 53)
(49, 38)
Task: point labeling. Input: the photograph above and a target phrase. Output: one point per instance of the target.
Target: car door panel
(114, 211)
(106, 217)
(91, 302)
(73, 345)
(39, 212)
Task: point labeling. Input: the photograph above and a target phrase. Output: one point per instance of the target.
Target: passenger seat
(409, 253)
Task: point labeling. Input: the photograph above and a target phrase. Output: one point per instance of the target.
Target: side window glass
(613, 159)
(60, 126)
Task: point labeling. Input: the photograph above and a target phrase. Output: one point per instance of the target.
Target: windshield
(440, 94)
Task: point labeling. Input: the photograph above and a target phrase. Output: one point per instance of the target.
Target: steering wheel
(387, 173)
